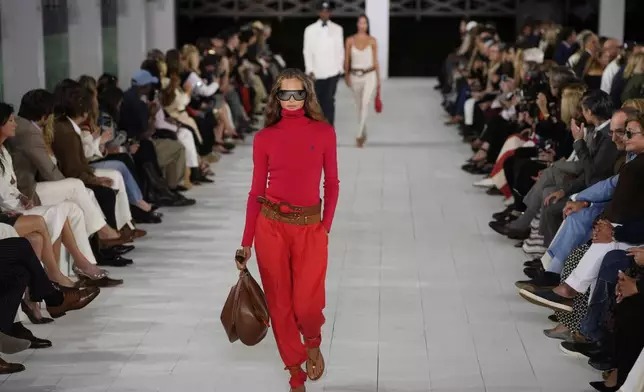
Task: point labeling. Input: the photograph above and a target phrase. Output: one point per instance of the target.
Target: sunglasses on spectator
(629, 133)
(618, 131)
(286, 95)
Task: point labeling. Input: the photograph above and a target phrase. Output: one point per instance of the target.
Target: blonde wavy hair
(312, 107)
(637, 104)
(189, 53)
(635, 65)
(571, 102)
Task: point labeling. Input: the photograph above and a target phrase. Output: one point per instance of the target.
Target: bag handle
(239, 257)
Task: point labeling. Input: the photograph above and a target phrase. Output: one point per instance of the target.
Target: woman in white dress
(65, 221)
(362, 72)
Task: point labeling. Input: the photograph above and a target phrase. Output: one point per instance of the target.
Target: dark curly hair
(72, 99)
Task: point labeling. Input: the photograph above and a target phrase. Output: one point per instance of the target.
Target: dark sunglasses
(629, 133)
(286, 95)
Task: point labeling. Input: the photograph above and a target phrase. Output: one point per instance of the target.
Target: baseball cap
(143, 78)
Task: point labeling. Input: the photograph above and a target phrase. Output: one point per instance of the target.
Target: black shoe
(534, 263)
(21, 332)
(602, 363)
(504, 229)
(601, 387)
(546, 280)
(553, 318)
(180, 188)
(547, 298)
(117, 261)
(581, 350)
(505, 215)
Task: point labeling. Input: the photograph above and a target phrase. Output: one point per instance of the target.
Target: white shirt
(324, 50)
(9, 193)
(609, 75)
(7, 231)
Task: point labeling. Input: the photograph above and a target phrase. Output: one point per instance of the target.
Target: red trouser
(292, 263)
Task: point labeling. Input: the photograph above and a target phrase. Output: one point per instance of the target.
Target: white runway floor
(420, 292)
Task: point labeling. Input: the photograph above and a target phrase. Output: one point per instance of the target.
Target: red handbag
(378, 101)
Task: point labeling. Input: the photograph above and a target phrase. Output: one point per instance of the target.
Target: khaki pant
(172, 160)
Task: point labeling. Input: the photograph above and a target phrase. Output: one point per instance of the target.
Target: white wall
(131, 38)
(611, 18)
(378, 13)
(23, 53)
(161, 33)
(85, 38)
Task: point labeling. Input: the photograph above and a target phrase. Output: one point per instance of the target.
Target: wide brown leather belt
(287, 213)
(361, 72)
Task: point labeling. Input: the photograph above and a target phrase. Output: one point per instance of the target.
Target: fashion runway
(420, 292)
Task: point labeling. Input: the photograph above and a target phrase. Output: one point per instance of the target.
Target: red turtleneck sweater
(288, 159)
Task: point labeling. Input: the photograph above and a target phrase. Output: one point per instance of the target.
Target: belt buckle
(360, 72)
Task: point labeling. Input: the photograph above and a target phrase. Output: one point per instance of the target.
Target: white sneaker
(484, 183)
(508, 202)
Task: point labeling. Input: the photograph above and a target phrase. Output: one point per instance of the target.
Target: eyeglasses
(629, 133)
(286, 95)
(619, 132)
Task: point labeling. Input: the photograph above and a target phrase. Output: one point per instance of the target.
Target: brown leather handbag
(245, 314)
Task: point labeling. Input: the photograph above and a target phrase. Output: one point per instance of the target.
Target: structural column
(23, 58)
(161, 25)
(378, 14)
(85, 38)
(612, 15)
(131, 38)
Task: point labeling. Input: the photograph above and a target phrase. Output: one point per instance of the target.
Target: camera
(536, 83)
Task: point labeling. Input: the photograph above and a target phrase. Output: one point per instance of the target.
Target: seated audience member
(580, 215)
(625, 206)
(595, 160)
(73, 106)
(94, 139)
(138, 118)
(20, 270)
(37, 173)
(65, 221)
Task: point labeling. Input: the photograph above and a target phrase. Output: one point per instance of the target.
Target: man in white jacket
(324, 58)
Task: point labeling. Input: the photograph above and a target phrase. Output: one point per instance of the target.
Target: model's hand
(347, 80)
(242, 257)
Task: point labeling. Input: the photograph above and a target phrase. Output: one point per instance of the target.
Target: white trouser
(7, 231)
(468, 111)
(584, 276)
(122, 208)
(73, 189)
(364, 88)
(635, 380)
(55, 217)
(188, 140)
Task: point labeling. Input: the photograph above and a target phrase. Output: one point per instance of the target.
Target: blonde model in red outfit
(285, 219)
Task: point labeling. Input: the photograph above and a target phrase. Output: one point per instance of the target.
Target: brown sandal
(313, 364)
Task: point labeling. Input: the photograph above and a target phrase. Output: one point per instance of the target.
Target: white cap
(470, 25)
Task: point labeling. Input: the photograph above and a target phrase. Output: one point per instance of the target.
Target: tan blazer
(31, 160)
(68, 149)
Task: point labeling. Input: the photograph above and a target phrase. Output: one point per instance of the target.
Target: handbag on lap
(245, 314)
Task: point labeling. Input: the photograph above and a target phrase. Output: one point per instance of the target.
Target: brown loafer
(74, 300)
(103, 282)
(9, 368)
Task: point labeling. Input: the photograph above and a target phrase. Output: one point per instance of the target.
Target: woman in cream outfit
(362, 72)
